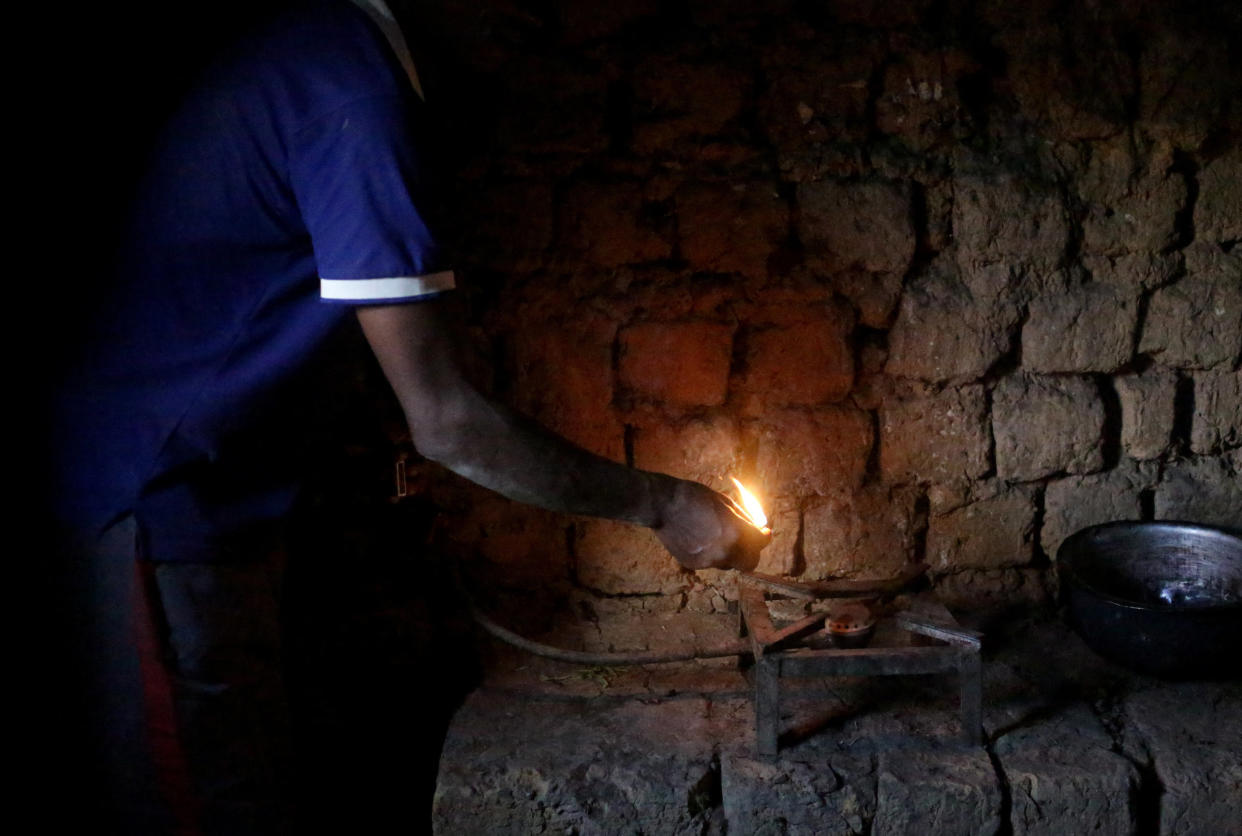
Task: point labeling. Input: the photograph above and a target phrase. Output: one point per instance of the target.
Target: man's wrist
(658, 496)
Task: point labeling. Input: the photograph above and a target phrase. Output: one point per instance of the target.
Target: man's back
(294, 159)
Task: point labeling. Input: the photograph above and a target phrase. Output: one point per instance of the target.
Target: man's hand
(705, 529)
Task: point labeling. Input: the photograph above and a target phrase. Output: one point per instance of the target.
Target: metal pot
(1163, 598)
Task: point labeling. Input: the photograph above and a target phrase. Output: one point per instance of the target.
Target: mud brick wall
(943, 281)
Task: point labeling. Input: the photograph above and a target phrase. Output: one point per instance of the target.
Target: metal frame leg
(970, 681)
(767, 706)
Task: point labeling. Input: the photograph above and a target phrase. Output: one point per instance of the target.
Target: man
(286, 197)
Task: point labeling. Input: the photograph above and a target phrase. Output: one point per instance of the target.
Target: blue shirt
(288, 187)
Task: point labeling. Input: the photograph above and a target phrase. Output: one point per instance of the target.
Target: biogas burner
(849, 638)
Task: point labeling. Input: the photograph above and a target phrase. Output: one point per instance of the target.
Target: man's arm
(452, 423)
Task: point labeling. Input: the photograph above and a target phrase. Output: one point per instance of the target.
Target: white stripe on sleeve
(400, 287)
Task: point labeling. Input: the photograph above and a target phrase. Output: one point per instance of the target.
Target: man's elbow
(436, 438)
(453, 428)
(463, 430)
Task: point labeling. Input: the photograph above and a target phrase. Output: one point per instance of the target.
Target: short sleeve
(362, 188)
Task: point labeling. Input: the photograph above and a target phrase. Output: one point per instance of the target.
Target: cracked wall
(944, 281)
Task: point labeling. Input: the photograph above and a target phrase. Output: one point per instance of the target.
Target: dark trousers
(181, 672)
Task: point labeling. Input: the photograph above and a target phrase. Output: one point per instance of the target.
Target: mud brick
(1217, 420)
(1147, 411)
(940, 438)
(1047, 425)
(1128, 213)
(944, 333)
(1133, 270)
(620, 559)
(992, 533)
(608, 223)
(1089, 329)
(857, 225)
(521, 544)
(1180, 69)
(675, 100)
(515, 766)
(1064, 778)
(808, 359)
(678, 363)
(780, 556)
(1218, 211)
(1002, 219)
(1203, 490)
(565, 379)
(731, 228)
(706, 450)
(1197, 322)
(827, 793)
(1073, 503)
(930, 790)
(1068, 98)
(1191, 735)
(989, 589)
(819, 452)
(920, 101)
(868, 534)
(816, 105)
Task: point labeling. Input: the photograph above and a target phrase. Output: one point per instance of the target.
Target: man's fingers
(733, 505)
(705, 529)
(746, 551)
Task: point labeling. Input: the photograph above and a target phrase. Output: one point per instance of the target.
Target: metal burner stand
(923, 638)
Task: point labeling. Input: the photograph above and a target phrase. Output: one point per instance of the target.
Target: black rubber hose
(581, 657)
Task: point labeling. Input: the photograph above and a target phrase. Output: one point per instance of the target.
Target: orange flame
(751, 508)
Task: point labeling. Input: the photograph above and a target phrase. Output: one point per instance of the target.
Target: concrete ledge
(1074, 745)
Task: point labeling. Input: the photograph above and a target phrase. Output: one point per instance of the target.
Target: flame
(751, 507)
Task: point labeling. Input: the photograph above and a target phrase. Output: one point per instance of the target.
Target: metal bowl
(1162, 598)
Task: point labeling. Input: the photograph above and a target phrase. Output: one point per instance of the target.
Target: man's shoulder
(319, 53)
